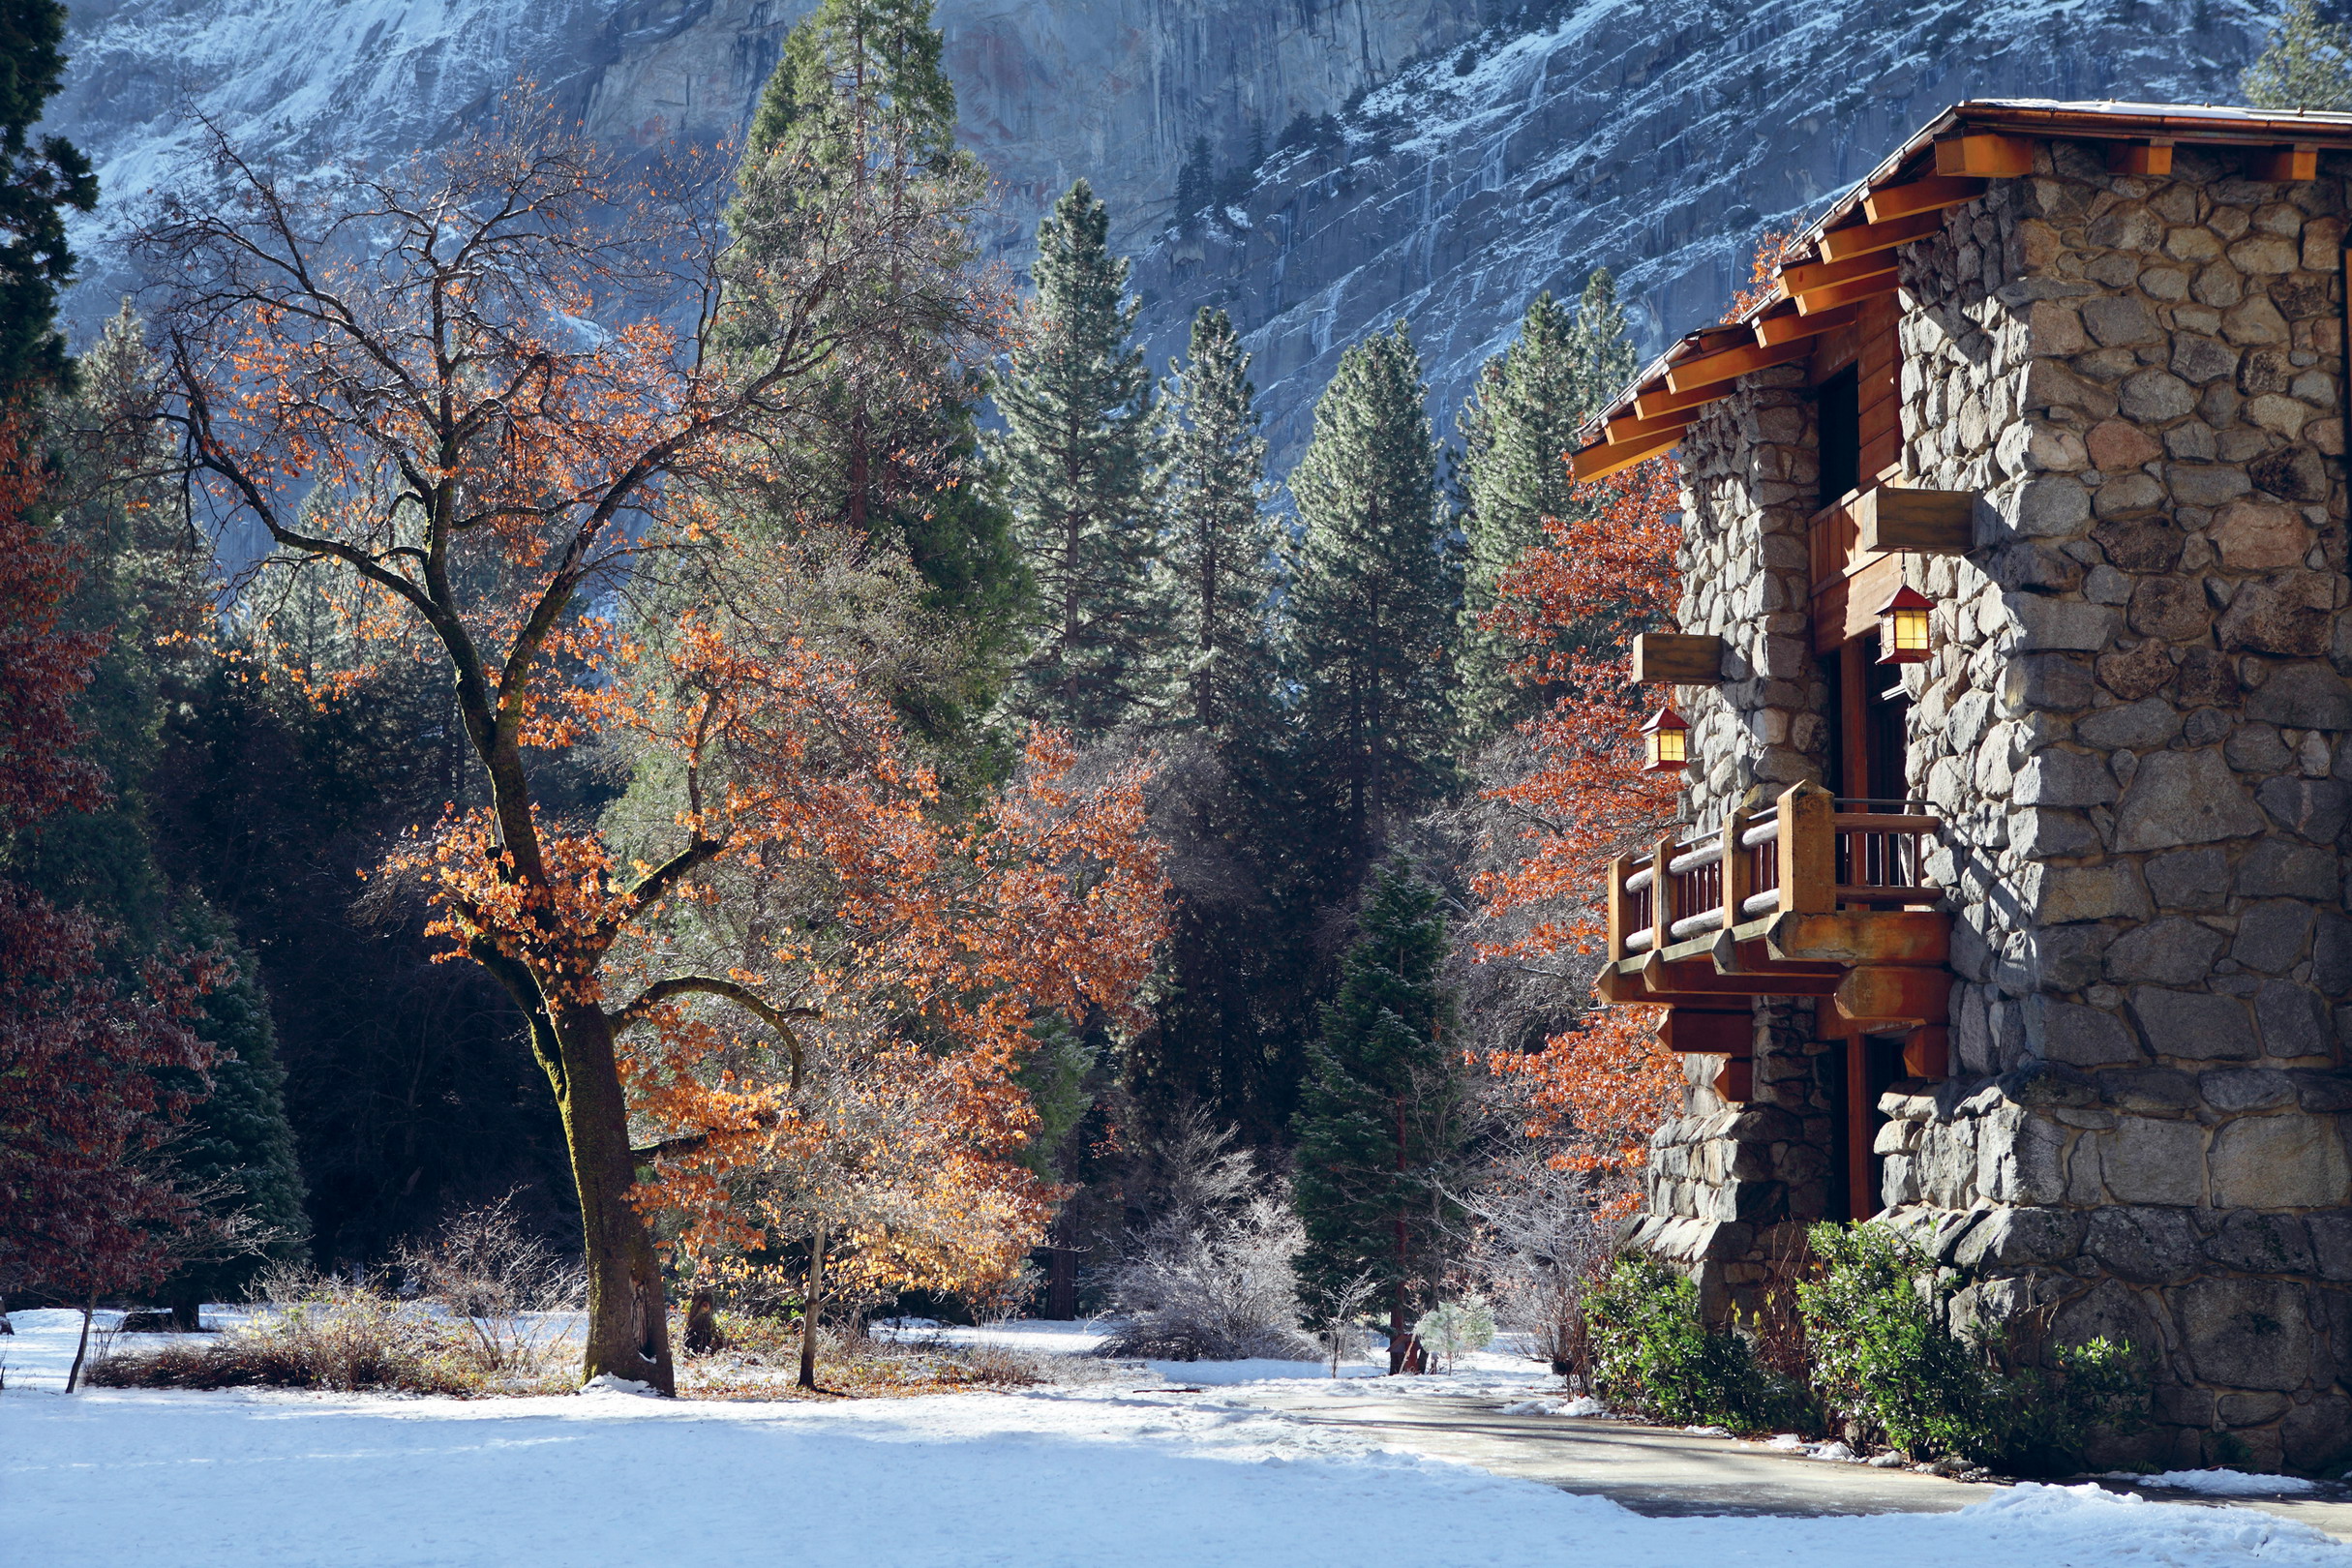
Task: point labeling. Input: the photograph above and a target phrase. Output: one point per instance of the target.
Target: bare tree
(1537, 1242)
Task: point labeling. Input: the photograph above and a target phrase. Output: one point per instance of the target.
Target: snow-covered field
(1093, 1475)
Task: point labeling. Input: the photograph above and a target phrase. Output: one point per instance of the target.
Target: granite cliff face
(1051, 89)
(1655, 137)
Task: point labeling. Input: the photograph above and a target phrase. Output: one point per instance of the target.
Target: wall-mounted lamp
(1668, 738)
(1902, 627)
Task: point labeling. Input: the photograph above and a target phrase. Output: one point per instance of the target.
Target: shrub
(498, 1282)
(1211, 1278)
(1457, 1328)
(1886, 1355)
(1653, 1353)
(1219, 1288)
(327, 1333)
(1539, 1246)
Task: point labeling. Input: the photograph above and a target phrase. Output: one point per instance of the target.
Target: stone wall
(2136, 728)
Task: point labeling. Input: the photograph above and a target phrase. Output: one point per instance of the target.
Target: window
(1839, 413)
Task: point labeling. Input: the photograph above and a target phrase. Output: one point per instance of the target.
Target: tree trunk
(1062, 1281)
(81, 1348)
(1397, 1337)
(810, 1308)
(186, 1305)
(628, 1327)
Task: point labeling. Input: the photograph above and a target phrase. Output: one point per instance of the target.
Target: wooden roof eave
(2232, 127)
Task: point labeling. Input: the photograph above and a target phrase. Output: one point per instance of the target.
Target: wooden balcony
(1813, 897)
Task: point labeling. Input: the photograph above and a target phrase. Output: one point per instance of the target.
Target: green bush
(1653, 1353)
(1886, 1355)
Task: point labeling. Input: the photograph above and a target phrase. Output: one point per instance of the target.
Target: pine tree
(1516, 432)
(1193, 180)
(235, 1153)
(1221, 545)
(1220, 807)
(1376, 590)
(1381, 1125)
(860, 92)
(40, 182)
(1077, 462)
(2308, 64)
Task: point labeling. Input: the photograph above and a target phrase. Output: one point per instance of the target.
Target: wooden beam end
(1677, 658)
(1924, 522)
(1984, 155)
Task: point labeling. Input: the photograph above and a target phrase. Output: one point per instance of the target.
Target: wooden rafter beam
(1811, 276)
(1863, 238)
(1984, 155)
(1627, 428)
(1933, 193)
(1709, 370)
(1836, 296)
(1788, 328)
(1657, 401)
(2297, 163)
(2153, 157)
(1608, 458)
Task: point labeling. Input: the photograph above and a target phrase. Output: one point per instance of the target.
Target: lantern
(1668, 738)
(1902, 627)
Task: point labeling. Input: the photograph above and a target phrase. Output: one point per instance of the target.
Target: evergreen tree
(1221, 545)
(1193, 180)
(146, 584)
(1077, 461)
(862, 94)
(1221, 1041)
(39, 181)
(2308, 64)
(1381, 1126)
(1376, 590)
(1517, 430)
(235, 1153)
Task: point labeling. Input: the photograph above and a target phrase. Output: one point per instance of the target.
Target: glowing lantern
(1903, 628)
(1668, 740)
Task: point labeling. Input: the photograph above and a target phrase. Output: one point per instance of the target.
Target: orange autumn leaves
(1576, 600)
(862, 973)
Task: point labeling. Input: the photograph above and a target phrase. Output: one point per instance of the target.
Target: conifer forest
(665, 769)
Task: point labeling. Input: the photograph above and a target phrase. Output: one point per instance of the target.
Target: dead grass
(763, 1359)
(348, 1339)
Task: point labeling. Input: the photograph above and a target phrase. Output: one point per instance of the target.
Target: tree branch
(742, 996)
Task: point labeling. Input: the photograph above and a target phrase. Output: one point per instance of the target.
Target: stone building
(2036, 943)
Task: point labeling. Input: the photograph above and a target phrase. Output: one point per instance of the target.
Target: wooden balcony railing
(1809, 854)
(1813, 897)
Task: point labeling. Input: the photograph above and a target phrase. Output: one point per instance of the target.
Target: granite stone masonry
(2135, 730)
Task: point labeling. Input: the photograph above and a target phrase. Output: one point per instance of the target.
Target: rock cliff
(1051, 89)
(1657, 137)
(1492, 149)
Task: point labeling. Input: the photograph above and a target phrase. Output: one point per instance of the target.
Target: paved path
(1661, 1471)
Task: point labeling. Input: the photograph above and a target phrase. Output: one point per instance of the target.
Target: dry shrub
(332, 1334)
(1540, 1243)
(488, 1313)
(763, 1356)
(1211, 1278)
(491, 1273)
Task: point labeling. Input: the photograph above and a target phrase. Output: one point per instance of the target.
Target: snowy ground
(1086, 1476)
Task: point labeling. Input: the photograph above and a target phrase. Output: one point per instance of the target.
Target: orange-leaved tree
(1577, 600)
(449, 386)
(903, 963)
